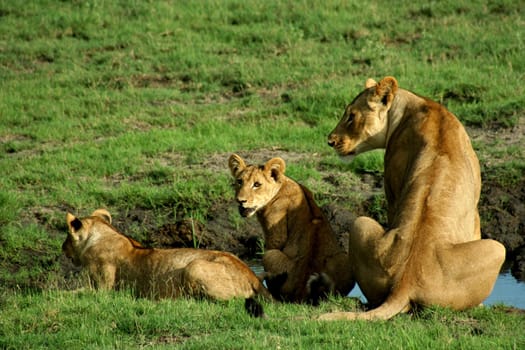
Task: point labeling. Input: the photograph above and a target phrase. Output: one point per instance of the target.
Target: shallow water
(508, 290)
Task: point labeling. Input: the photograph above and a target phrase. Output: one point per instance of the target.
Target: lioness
(115, 260)
(303, 260)
(432, 252)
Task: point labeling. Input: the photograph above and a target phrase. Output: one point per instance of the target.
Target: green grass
(88, 320)
(138, 104)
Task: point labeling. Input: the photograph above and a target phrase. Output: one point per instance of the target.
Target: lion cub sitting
(303, 260)
(115, 260)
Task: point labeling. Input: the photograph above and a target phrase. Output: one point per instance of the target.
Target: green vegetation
(88, 320)
(137, 105)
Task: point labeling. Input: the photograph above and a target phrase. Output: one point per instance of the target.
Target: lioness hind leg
(469, 272)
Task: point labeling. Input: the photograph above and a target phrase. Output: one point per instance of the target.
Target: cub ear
(103, 214)
(236, 164)
(369, 83)
(73, 223)
(276, 167)
(385, 91)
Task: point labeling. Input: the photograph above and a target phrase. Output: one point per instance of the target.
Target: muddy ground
(502, 208)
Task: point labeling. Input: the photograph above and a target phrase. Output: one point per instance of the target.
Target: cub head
(256, 186)
(363, 126)
(82, 233)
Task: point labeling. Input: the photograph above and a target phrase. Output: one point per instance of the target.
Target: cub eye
(256, 184)
(239, 182)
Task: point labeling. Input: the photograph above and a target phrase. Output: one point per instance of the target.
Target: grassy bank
(90, 320)
(135, 106)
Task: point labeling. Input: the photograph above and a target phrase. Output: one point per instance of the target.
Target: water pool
(508, 291)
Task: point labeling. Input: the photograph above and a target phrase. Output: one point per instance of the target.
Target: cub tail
(319, 286)
(254, 308)
(252, 305)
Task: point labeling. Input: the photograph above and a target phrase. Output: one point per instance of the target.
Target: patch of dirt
(502, 208)
(502, 212)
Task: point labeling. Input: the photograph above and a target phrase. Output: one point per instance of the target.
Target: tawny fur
(302, 257)
(117, 261)
(432, 252)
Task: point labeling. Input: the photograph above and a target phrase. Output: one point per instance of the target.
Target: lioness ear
(385, 91)
(369, 83)
(73, 223)
(276, 167)
(103, 214)
(236, 164)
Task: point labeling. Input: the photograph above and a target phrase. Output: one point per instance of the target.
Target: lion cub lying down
(303, 260)
(115, 261)
(431, 253)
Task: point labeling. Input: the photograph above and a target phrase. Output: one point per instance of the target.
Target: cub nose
(331, 140)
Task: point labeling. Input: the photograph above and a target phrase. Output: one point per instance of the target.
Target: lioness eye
(256, 184)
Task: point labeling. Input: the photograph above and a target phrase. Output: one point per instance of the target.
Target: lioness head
(363, 126)
(255, 186)
(81, 233)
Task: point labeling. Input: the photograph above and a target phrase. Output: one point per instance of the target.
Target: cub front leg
(104, 277)
(276, 262)
(279, 273)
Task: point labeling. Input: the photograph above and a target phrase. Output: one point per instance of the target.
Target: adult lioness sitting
(432, 252)
(303, 260)
(115, 260)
